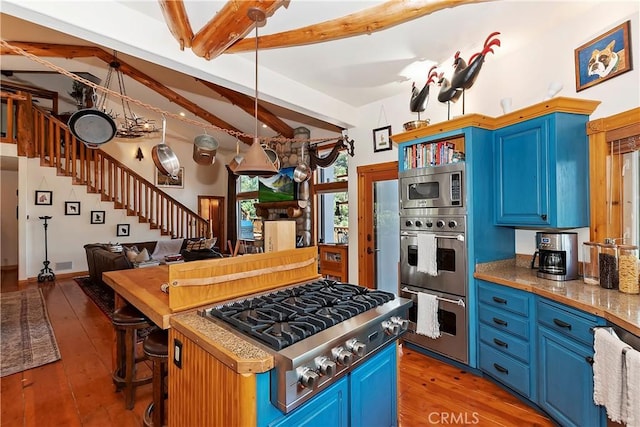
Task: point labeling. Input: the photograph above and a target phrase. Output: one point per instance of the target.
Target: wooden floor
(77, 390)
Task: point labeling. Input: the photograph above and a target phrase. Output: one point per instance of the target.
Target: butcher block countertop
(617, 307)
(228, 347)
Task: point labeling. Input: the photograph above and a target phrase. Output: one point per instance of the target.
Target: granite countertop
(225, 345)
(617, 307)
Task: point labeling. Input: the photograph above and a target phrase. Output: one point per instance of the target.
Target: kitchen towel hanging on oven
(427, 319)
(427, 253)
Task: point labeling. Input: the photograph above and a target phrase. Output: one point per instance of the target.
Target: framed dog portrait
(72, 208)
(604, 57)
(97, 217)
(122, 230)
(382, 139)
(44, 197)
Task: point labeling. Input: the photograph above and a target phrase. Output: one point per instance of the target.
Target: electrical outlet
(177, 353)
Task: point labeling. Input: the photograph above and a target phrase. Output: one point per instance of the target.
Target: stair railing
(101, 173)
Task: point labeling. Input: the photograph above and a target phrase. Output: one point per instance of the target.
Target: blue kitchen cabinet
(506, 329)
(374, 391)
(366, 397)
(541, 176)
(565, 357)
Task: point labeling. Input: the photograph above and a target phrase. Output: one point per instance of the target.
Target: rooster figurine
(448, 93)
(419, 99)
(464, 76)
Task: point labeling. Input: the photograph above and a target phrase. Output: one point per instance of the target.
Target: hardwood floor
(77, 390)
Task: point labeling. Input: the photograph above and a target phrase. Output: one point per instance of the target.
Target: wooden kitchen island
(218, 378)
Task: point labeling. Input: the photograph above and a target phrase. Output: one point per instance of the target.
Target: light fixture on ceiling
(132, 126)
(256, 162)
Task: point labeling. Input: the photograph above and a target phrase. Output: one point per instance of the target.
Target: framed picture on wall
(97, 217)
(382, 139)
(603, 58)
(44, 197)
(122, 230)
(166, 181)
(72, 208)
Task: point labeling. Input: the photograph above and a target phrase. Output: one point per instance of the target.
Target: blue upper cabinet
(541, 176)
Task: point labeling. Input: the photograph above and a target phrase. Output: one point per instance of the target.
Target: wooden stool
(127, 321)
(156, 348)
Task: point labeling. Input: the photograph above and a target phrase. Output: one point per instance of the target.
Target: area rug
(101, 295)
(27, 336)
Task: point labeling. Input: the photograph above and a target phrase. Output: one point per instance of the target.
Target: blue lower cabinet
(565, 378)
(367, 397)
(374, 391)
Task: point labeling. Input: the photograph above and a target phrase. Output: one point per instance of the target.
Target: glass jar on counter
(608, 264)
(628, 269)
(590, 271)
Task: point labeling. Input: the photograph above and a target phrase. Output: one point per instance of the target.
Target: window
(333, 202)
(246, 197)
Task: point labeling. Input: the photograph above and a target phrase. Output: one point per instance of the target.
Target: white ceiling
(329, 81)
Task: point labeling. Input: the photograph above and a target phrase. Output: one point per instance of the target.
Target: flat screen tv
(277, 188)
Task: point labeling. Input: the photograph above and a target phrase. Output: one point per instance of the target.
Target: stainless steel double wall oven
(432, 201)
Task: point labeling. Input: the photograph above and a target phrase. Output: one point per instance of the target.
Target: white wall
(524, 76)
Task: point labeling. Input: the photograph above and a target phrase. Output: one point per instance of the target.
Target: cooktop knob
(429, 224)
(408, 223)
(402, 323)
(357, 347)
(453, 224)
(308, 378)
(440, 223)
(390, 328)
(418, 223)
(326, 366)
(343, 356)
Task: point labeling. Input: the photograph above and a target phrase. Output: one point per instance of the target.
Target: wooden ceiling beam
(228, 26)
(172, 96)
(377, 18)
(175, 15)
(247, 103)
(52, 50)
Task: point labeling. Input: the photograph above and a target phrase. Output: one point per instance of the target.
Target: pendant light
(256, 162)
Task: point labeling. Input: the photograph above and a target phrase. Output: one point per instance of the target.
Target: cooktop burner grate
(284, 317)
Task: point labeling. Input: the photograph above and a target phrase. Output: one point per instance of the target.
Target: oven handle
(459, 302)
(456, 237)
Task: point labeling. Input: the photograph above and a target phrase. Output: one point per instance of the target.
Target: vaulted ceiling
(319, 60)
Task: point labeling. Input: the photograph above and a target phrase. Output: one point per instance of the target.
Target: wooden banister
(103, 174)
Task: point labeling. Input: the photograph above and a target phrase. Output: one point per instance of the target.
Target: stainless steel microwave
(432, 187)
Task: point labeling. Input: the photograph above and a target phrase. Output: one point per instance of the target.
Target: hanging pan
(163, 156)
(204, 149)
(91, 126)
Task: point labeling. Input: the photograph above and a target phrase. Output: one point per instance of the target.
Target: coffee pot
(557, 254)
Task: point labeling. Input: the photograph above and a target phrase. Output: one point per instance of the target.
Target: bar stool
(156, 348)
(127, 321)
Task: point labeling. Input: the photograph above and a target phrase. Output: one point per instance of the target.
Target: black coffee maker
(557, 255)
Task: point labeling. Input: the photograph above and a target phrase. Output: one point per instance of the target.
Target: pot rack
(161, 112)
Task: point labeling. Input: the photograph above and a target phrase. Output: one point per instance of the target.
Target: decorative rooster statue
(448, 93)
(420, 98)
(464, 76)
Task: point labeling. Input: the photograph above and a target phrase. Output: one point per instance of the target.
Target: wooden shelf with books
(433, 153)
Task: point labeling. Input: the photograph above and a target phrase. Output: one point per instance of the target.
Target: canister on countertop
(628, 269)
(590, 272)
(608, 264)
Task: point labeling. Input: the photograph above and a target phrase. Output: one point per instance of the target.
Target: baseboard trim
(58, 277)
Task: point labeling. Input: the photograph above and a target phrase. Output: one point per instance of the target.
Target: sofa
(103, 257)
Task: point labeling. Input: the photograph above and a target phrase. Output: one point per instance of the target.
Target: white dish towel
(608, 373)
(427, 322)
(632, 359)
(427, 250)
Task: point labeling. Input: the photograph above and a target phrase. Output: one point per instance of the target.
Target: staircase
(39, 134)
